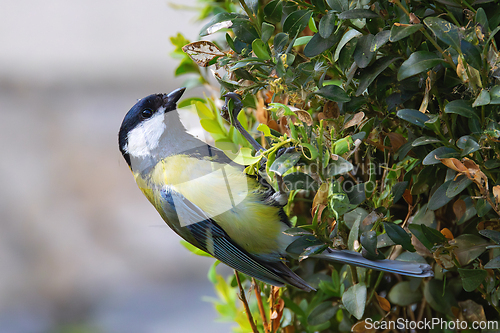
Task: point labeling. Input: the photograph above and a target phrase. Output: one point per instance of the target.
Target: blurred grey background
(81, 250)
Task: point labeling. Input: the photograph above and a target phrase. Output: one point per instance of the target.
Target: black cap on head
(145, 108)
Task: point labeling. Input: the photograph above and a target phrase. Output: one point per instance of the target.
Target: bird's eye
(147, 113)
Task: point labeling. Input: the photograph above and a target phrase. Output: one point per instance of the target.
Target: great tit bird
(209, 200)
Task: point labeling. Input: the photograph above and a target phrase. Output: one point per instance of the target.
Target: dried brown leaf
(383, 302)
(355, 120)
(363, 327)
(304, 117)
(320, 199)
(444, 259)
(496, 193)
(262, 114)
(202, 52)
(408, 197)
(331, 110)
(414, 19)
(454, 164)
(472, 311)
(397, 140)
(459, 208)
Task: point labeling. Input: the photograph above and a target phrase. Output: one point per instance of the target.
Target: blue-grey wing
(194, 224)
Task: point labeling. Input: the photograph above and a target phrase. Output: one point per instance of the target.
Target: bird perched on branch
(209, 201)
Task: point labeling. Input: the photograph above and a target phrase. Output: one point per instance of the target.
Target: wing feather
(211, 238)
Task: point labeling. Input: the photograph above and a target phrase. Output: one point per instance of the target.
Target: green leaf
(440, 152)
(362, 54)
(467, 144)
(214, 23)
(418, 62)
(342, 146)
(461, 107)
(424, 140)
(301, 243)
(491, 164)
(439, 197)
(482, 99)
(354, 300)
(403, 295)
(457, 186)
(416, 229)
(493, 263)
(399, 236)
(326, 24)
(481, 18)
(495, 94)
(285, 162)
(267, 31)
(472, 54)
(398, 189)
(319, 4)
(338, 167)
(212, 272)
(338, 6)
(302, 40)
(468, 247)
(273, 11)
(434, 236)
(444, 30)
(368, 240)
(403, 31)
(357, 14)
(439, 298)
(357, 194)
(472, 278)
(312, 25)
(311, 153)
(193, 249)
(369, 74)
(491, 234)
(211, 126)
(333, 93)
(296, 22)
(244, 30)
(296, 232)
(280, 41)
(322, 313)
(186, 66)
(434, 123)
(260, 49)
(318, 44)
(381, 38)
(350, 34)
(413, 116)
(300, 181)
(312, 250)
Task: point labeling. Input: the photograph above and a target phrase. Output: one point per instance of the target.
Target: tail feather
(393, 266)
(289, 277)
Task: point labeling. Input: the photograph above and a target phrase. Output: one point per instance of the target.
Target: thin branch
(261, 306)
(245, 303)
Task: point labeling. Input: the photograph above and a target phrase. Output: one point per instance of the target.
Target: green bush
(394, 106)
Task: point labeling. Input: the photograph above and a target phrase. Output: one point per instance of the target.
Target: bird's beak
(175, 95)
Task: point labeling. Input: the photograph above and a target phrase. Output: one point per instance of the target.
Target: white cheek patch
(146, 136)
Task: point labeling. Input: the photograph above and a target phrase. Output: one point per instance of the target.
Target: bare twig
(245, 303)
(261, 306)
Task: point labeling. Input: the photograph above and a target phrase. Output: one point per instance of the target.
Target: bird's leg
(281, 196)
(238, 105)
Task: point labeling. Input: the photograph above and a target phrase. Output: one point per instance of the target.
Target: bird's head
(144, 124)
